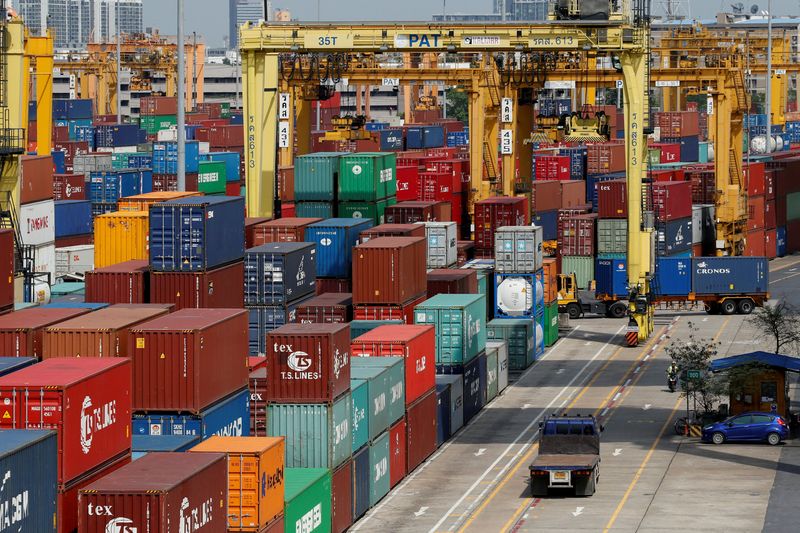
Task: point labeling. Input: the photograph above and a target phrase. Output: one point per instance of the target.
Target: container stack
(6, 271)
(367, 185)
(165, 166)
(37, 211)
(493, 213)
(576, 246)
(681, 128)
(316, 184)
(442, 247)
(335, 239)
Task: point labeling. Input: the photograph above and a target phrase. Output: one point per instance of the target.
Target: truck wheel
(746, 306)
(712, 309)
(574, 310)
(539, 487)
(728, 307)
(618, 310)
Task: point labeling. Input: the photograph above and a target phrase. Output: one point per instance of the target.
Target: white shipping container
(45, 259)
(167, 135)
(38, 223)
(86, 163)
(442, 245)
(697, 224)
(205, 147)
(74, 260)
(518, 249)
(124, 150)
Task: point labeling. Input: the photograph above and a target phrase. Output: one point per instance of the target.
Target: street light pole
(181, 102)
(119, 67)
(768, 99)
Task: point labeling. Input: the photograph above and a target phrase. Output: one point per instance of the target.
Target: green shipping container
(360, 327)
(307, 498)
(378, 393)
(379, 469)
(154, 124)
(315, 209)
(395, 367)
(359, 391)
(704, 152)
(581, 266)
(518, 332)
(793, 206)
(653, 156)
(612, 236)
(367, 177)
(315, 176)
(371, 210)
(492, 373)
(211, 177)
(225, 112)
(550, 323)
(460, 322)
(317, 435)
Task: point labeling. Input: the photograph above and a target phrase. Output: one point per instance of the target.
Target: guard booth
(766, 387)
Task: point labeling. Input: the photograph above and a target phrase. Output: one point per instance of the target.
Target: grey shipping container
(502, 363)
(612, 236)
(456, 383)
(518, 248)
(28, 463)
(442, 244)
(730, 275)
(279, 272)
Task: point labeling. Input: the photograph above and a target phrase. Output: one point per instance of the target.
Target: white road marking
(617, 452)
(616, 397)
(422, 511)
(577, 512)
(480, 452)
(647, 406)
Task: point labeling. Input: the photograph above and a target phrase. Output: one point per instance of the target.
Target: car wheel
(717, 438)
(746, 306)
(773, 439)
(729, 307)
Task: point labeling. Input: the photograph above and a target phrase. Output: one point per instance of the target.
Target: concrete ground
(651, 480)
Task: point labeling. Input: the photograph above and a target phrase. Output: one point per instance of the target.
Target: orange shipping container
(142, 202)
(550, 268)
(255, 479)
(573, 193)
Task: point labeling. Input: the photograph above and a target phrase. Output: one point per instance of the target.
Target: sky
(210, 17)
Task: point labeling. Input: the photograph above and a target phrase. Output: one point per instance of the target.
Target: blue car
(748, 427)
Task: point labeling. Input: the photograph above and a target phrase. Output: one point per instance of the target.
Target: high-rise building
(515, 11)
(73, 22)
(239, 12)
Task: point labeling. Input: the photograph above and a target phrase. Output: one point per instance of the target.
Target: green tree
(780, 324)
(693, 353)
(457, 105)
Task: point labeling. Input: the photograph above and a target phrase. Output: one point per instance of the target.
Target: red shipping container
(215, 122)
(670, 152)
(342, 497)
(754, 173)
(697, 250)
(225, 136)
(497, 212)
(158, 105)
(672, 200)
(326, 285)
(435, 187)
(452, 281)
(202, 133)
(69, 187)
(769, 184)
(86, 400)
(35, 178)
(254, 362)
(158, 491)
(457, 169)
(770, 217)
(212, 109)
(233, 189)
(397, 452)
(71, 149)
(328, 308)
(285, 183)
(188, 360)
(793, 236)
(123, 283)
(410, 212)
(421, 430)
(576, 235)
(755, 208)
(67, 499)
(605, 158)
(612, 199)
(222, 287)
(21, 331)
(573, 193)
(417, 344)
(282, 230)
(466, 252)
(250, 224)
(404, 312)
(755, 246)
(553, 167)
(257, 385)
(308, 363)
(60, 134)
(771, 243)
(704, 186)
(407, 183)
(75, 240)
(393, 230)
(288, 210)
(6, 269)
(389, 270)
(546, 196)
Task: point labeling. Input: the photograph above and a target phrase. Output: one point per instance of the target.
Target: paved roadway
(651, 480)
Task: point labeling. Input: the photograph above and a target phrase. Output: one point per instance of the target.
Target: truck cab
(569, 456)
(576, 302)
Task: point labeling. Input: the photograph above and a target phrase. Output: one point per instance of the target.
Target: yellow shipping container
(120, 237)
(255, 479)
(142, 202)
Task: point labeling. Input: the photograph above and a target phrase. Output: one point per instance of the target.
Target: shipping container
(342, 497)
(674, 237)
(362, 327)
(520, 336)
(389, 270)
(362, 474)
(197, 233)
(550, 279)
(501, 348)
(278, 273)
(21, 331)
(410, 212)
(30, 483)
(398, 452)
(282, 230)
(264, 318)
(367, 176)
(121, 237)
(374, 420)
(12, 364)
(550, 324)
(122, 283)
(421, 429)
(307, 500)
(91, 409)
(612, 236)
(157, 491)
(580, 265)
(393, 230)
(518, 248)
(730, 275)
(459, 320)
(37, 222)
(612, 199)
(335, 239)
(72, 217)
(612, 277)
(577, 235)
(255, 479)
(35, 178)
(178, 359)
(227, 418)
(221, 287)
(518, 295)
(494, 213)
(359, 417)
(257, 385)
(442, 413)
(322, 210)
(328, 308)
(6, 270)
(452, 281)
(605, 158)
(317, 434)
(441, 244)
(103, 333)
(374, 211)
(142, 202)
(379, 465)
(474, 386)
(671, 200)
(144, 444)
(394, 367)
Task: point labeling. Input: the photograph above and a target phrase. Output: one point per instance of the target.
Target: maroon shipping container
(576, 235)
(678, 123)
(188, 360)
(219, 288)
(21, 331)
(769, 184)
(393, 230)
(328, 308)
(123, 283)
(545, 196)
(497, 212)
(60, 134)
(326, 285)
(793, 236)
(103, 334)
(410, 212)
(169, 182)
(342, 498)
(86, 400)
(258, 402)
(285, 184)
(162, 491)
(250, 224)
(6, 269)
(605, 158)
(398, 457)
(308, 363)
(389, 270)
(290, 229)
(69, 187)
(421, 430)
(756, 210)
(452, 281)
(704, 185)
(466, 252)
(612, 199)
(226, 136)
(75, 240)
(35, 178)
(573, 193)
(671, 200)
(211, 110)
(158, 105)
(404, 312)
(67, 499)
(770, 218)
(71, 149)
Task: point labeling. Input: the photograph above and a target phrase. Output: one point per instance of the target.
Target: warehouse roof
(771, 359)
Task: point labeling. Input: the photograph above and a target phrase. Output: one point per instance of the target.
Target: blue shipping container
(376, 126)
(237, 119)
(780, 241)
(361, 476)
(197, 233)
(80, 109)
(548, 220)
(474, 386)
(73, 217)
(730, 275)
(335, 240)
(414, 138)
(28, 462)
(59, 162)
(674, 237)
(229, 417)
(12, 364)
(673, 276)
(611, 276)
(231, 160)
(116, 135)
(73, 125)
(457, 138)
(391, 140)
(60, 109)
(442, 413)
(690, 147)
(165, 157)
(67, 302)
(455, 384)
(111, 186)
(278, 273)
(432, 137)
(264, 318)
(142, 444)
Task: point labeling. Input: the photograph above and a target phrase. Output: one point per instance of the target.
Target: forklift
(577, 302)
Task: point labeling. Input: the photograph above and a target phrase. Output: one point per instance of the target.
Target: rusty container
(221, 287)
(328, 308)
(389, 270)
(21, 331)
(122, 283)
(289, 229)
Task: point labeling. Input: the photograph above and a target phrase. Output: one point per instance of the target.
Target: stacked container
(442, 248)
(6, 270)
(672, 209)
(494, 213)
(316, 184)
(576, 246)
(335, 239)
(37, 221)
(287, 229)
(327, 308)
(121, 283)
(761, 220)
(367, 185)
(121, 236)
